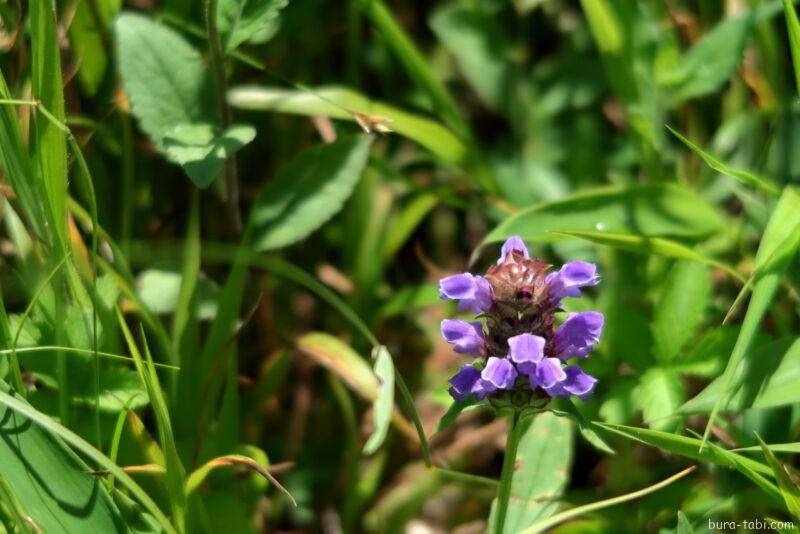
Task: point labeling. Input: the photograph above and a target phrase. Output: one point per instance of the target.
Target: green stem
(225, 115)
(409, 400)
(509, 461)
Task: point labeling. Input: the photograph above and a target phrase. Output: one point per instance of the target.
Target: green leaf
(684, 525)
(746, 177)
(680, 309)
(340, 359)
(544, 455)
(660, 394)
(455, 409)
(793, 26)
(49, 143)
(159, 288)
(778, 246)
(479, 44)
(767, 377)
(708, 354)
(88, 43)
(690, 448)
(383, 407)
(201, 150)
(585, 427)
(47, 477)
(239, 20)
(650, 246)
(652, 210)
(787, 480)
(341, 103)
(165, 77)
(793, 448)
(709, 63)
(307, 192)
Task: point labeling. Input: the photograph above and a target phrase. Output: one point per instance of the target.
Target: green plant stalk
(465, 477)
(507, 476)
(409, 400)
(225, 115)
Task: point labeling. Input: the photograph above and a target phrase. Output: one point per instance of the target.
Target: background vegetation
(219, 278)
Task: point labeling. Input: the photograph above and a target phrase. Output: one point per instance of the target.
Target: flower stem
(509, 461)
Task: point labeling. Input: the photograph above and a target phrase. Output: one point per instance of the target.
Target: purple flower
(576, 382)
(527, 351)
(571, 277)
(467, 337)
(466, 382)
(578, 335)
(473, 292)
(513, 243)
(499, 373)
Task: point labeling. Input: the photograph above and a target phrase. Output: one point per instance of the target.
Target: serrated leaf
(383, 407)
(165, 77)
(307, 192)
(239, 20)
(201, 150)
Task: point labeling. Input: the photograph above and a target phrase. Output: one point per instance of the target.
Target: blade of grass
(789, 488)
(778, 247)
(746, 177)
(793, 26)
(541, 526)
(175, 471)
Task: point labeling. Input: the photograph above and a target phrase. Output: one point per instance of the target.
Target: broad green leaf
(651, 210)
(307, 192)
(660, 394)
(165, 77)
(793, 26)
(778, 247)
(479, 44)
(746, 177)
(239, 20)
(690, 448)
(342, 103)
(119, 389)
(544, 456)
(787, 479)
(710, 62)
(383, 407)
(88, 41)
(201, 150)
(159, 289)
(650, 246)
(707, 356)
(20, 411)
(680, 308)
(48, 478)
(767, 377)
(340, 359)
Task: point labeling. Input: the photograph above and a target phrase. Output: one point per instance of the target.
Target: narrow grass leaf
(746, 177)
(793, 26)
(787, 479)
(778, 247)
(344, 103)
(578, 511)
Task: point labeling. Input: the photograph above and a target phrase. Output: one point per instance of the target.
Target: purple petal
(571, 277)
(526, 350)
(547, 373)
(457, 286)
(578, 335)
(499, 373)
(467, 337)
(513, 243)
(473, 292)
(465, 382)
(576, 383)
